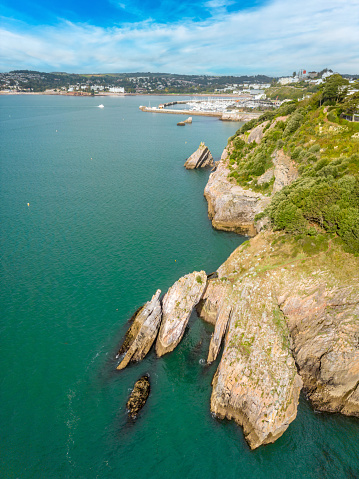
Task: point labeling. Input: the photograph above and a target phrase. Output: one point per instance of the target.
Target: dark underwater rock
(139, 395)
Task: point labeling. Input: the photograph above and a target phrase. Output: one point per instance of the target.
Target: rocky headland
(285, 308)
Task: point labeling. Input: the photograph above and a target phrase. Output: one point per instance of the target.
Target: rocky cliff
(231, 207)
(287, 309)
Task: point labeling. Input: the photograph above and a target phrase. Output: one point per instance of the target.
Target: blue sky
(274, 37)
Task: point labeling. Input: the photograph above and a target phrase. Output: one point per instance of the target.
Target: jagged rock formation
(324, 326)
(201, 158)
(285, 171)
(139, 396)
(256, 134)
(231, 207)
(311, 304)
(223, 317)
(143, 331)
(177, 307)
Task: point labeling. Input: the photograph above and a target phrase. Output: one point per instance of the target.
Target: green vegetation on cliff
(323, 147)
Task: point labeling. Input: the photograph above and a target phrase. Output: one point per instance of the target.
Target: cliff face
(325, 329)
(286, 307)
(231, 207)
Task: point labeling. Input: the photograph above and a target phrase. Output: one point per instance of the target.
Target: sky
(219, 37)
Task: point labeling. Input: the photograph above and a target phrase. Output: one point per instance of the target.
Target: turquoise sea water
(111, 209)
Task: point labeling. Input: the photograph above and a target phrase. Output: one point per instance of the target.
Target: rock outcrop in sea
(143, 331)
(139, 396)
(177, 306)
(201, 158)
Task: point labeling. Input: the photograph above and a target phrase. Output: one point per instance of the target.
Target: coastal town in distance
(230, 98)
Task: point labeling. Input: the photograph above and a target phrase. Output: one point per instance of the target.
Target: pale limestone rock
(212, 299)
(201, 158)
(305, 311)
(256, 382)
(285, 170)
(324, 326)
(220, 329)
(177, 307)
(231, 207)
(143, 331)
(256, 134)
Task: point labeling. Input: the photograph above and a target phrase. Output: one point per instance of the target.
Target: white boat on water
(101, 106)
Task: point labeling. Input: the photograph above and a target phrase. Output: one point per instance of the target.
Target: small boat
(101, 106)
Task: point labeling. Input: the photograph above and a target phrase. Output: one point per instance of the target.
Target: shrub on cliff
(331, 203)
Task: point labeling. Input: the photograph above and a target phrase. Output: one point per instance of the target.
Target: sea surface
(97, 212)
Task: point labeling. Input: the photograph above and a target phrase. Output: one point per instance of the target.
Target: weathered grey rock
(256, 382)
(139, 396)
(266, 177)
(201, 158)
(304, 310)
(285, 171)
(324, 326)
(256, 134)
(231, 207)
(142, 334)
(177, 307)
(222, 320)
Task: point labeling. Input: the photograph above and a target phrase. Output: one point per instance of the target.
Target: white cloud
(276, 38)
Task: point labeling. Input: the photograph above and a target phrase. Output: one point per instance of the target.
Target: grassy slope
(325, 199)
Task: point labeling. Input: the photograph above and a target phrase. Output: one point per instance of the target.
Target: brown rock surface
(142, 333)
(283, 299)
(231, 207)
(177, 307)
(285, 170)
(139, 396)
(324, 326)
(256, 134)
(201, 158)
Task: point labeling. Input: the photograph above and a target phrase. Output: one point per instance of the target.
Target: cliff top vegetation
(324, 147)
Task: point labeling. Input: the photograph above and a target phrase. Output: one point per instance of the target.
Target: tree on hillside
(351, 105)
(335, 89)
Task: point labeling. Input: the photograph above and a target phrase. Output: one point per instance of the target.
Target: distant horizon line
(163, 73)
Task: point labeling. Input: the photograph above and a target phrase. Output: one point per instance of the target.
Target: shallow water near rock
(113, 215)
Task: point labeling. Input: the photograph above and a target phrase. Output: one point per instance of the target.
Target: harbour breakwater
(225, 116)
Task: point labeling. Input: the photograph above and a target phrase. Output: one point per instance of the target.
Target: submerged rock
(177, 307)
(201, 158)
(138, 397)
(141, 335)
